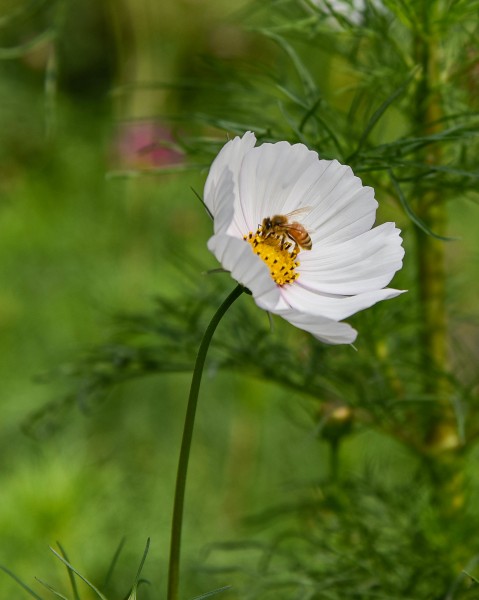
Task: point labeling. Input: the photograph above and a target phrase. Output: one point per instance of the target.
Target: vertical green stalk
(432, 209)
(177, 521)
(441, 439)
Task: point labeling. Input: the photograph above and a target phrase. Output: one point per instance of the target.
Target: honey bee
(281, 229)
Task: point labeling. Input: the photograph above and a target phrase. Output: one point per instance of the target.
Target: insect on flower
(279, 228)
(315, 257)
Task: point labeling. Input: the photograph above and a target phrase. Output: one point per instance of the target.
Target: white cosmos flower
(348, 264)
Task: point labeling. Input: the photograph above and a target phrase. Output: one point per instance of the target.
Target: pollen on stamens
(277, 254)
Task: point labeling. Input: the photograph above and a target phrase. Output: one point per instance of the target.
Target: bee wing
(299, 211)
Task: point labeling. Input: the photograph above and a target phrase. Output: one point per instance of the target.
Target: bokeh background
(110, 114)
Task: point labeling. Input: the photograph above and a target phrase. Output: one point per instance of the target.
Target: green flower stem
(177, 522)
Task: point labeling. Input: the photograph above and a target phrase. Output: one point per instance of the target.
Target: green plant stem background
(188, 428)
(317, 472)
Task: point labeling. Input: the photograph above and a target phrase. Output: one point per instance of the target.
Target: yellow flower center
(277, 254)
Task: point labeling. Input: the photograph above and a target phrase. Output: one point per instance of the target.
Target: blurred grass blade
(462, 575)
(71, 575)
(89, 584)
(341, 19)
(142, 562)
(51, 589)
(132, 594)
(312, 112)
(459, 411)
(114, 560)
(21, 11)
(202, 202)
(213, 593)
(471, 576)
(19, 51)
(291, 122)
(378, 113)
(151, 171)
(305, 77)
(411, 214)
(20, 582)
(50, 87)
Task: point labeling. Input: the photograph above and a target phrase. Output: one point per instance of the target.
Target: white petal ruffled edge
(221, 187)
(337, 308)
(367, 262)
(324, 329)
(247, 183)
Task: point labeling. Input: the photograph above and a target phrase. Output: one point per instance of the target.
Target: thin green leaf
(19, 51)
(132, 594)
(439, 169)
(213, 593)
(291, 95)
(424, 169)
(51, 89)
(405, 146)
(21, 11)
(134, 174)
(378, 113)
(341, 19)
(89, 584)
(291, 122)
(471, 576)
(51, 589)
(20, 583)
(73, 583)
(142, 562)
(312, 112)
(114, 560)
(202, 202)
(305, 77)
(225, 124)
(176, 84)
(411, 214)
(464, 573)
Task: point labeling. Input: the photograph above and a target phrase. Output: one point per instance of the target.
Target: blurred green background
(91, 227)
(78, 247)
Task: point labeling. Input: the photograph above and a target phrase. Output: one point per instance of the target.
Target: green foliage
(73, 574)
(371, 541)
(378, 496)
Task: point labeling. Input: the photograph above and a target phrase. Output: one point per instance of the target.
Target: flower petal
(237, 257)
(325, 330)
(221, 187)
(334, 307)
(365, 263)
(342, 207)
(268, 176)
(349, 262)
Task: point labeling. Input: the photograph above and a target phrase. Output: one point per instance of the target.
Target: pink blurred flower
(145, 145)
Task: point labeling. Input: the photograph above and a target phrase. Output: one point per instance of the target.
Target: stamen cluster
(277, 253)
